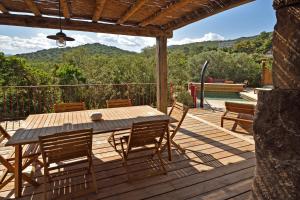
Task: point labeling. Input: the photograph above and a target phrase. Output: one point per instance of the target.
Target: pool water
(225, 96)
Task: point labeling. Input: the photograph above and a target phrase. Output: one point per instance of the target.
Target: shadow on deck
(216, 165)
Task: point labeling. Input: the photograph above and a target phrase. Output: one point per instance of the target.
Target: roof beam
(134, 8)
(169, 8)
(98, 10)
(31, 5)
(199, 15)
(3, 9)
(65, 8)
(53, 23)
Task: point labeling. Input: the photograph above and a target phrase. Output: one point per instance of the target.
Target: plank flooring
(216, 166)
(215, 118)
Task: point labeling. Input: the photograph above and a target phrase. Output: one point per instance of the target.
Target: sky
(246, 20)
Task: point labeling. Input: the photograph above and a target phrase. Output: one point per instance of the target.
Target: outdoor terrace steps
(215, 161)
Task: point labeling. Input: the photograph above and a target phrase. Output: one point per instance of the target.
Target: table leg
(18, 171)
(169, 145)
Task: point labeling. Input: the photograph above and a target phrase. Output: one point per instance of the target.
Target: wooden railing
(17, 102)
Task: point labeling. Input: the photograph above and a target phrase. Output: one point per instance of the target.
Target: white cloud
(206, 37)
(17, 44)
(131, 43)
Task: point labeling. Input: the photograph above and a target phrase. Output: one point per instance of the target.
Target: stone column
(277, 120)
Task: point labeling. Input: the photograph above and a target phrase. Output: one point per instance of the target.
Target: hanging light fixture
(60, 37)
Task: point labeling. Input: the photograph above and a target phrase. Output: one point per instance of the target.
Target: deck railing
(17, 102)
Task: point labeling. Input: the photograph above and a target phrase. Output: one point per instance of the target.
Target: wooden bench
(245, 113)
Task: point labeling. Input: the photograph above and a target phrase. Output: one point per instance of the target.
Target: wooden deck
(216, 165)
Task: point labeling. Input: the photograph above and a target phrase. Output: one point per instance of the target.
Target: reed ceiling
(129, 17)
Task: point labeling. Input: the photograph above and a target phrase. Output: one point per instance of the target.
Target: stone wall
(277, 120)
(277, 143)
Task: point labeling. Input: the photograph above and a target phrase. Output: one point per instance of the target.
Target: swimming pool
(225, 96)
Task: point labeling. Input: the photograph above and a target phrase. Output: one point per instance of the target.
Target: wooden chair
(177, 112)
(69, 107)
(242, 109)
(115, 103)
(30, 157)
(64, 151)
(145, 136)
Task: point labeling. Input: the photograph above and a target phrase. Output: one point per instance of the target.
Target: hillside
(56, 54)
(197, 47)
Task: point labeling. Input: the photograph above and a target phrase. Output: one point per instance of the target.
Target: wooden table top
(113, 119)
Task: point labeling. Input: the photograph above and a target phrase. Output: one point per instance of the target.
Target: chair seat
(144, 140)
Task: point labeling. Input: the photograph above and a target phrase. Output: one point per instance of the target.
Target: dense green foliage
(236, 60)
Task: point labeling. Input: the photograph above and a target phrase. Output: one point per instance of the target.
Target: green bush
(184, 97)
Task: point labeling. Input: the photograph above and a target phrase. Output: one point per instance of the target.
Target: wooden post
(161, 74)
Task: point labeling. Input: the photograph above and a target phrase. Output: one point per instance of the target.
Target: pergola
(276, 125)
(157, 18)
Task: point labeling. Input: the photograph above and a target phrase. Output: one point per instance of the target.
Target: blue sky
(246, 20)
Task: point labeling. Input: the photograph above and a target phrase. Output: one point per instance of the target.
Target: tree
(69, 75)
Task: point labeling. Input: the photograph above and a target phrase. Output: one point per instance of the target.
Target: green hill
(253, 44)
(256, 44)
(56, 54)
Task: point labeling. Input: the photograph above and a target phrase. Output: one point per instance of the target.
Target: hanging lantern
(60, 37)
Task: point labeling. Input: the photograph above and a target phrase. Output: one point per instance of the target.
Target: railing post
(194, 94)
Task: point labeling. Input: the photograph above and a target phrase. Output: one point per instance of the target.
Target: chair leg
(93, 177)
(112, 139)
(5, 182)
(45, 188)
(161, 161)
(234, 126)
(3, 176)
(182, 150)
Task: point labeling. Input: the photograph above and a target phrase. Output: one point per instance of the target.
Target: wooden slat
(3, 9)
(173, 6)
(69, 107)
(131, 11)
(214, 161)
(199, 15)
(113, 119)
(53, 23)
(32, 6)
(100, 4)
(115, 103)
(65, 9)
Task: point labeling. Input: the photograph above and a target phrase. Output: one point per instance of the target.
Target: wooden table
(114, 119)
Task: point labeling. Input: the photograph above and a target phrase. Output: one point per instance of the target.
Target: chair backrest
(66, 146)
(69, 107)
(178, 112)
(145, 133)
(115, 103)
(245, 108)
(3, 134)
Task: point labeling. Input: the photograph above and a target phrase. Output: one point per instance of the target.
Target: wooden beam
(98, 10)
(131, 11)
(199, 15)
(172, 7)
(161, 74)
(3, 9)
(65, 9)
(47, 22)
(31, 5)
